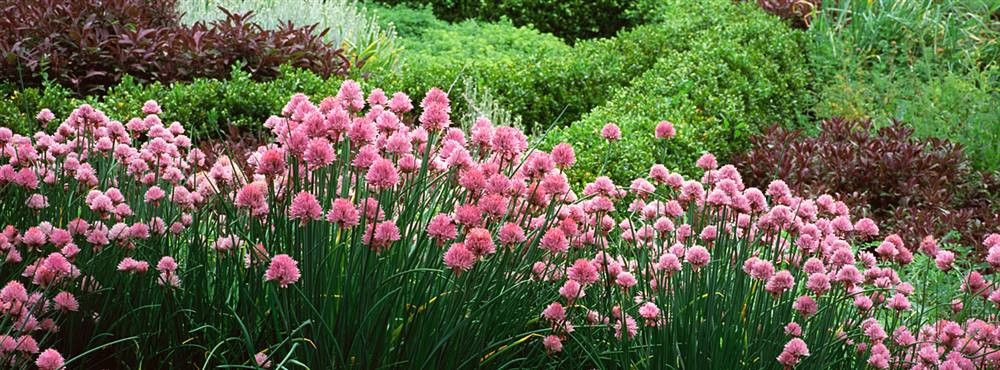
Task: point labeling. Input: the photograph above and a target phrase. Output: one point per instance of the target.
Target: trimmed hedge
(535, 75)
(207, 107)
(743, 73)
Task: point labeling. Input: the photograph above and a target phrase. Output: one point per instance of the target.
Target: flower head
(283, 269)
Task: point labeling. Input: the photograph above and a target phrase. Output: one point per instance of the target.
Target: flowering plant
(372, 234)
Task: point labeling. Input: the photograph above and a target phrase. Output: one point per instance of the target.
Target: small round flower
(459, 258)
(66, 301)
(552, 344)
(283, 269)
(305, 207)
(650, 312)
(665, 130)
(707, 162)
(563, 155)
(151, 107)
(583, 271)
(625, 280)
(779, 283)
(166, 264)
(793, 329)
(45, 115)
(555, 312)
(50, 359)
(793, 352)
(697, 256)
(611, 132)
(480, 242)
(343, 213)
(805, 305)
(382, 175)
(944, 259)
(554, 241)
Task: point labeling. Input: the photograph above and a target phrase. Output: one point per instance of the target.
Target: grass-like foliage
(373, 233)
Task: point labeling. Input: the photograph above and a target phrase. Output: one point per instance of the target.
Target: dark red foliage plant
(797, 12)
(915, 187)
(89, 45)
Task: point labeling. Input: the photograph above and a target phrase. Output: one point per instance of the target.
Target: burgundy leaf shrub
(796, 11)
(89, 45)
(915, 186)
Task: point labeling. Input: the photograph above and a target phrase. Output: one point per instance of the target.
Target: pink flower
(271, 163)
(563, 155)
(554, 241)
(13, 292)
(866, 227)
(611, 132)
(583, 271)
(319, 153)
(571, 290)
(707, 162)
(45, 115)
(479, 241)
(441, 227)
(305, 207)
(805, 305)
(254, 197)
(794, 350)
(665, 130)
(899, 302)
(34, 237)
(459, 258)
(552, 344)
(166, 264)
(400, 103)
(382, 175)
(511, 233)
(382, 235)
(151, 107)
(697, 256)
(993, 257)
(154, 194)
(131, 265)
(343, 213)
(818, 283)
(509, 141)
(669, 262)
(283, 269)
(779, 283)
(50, 359)
(66, 301)
(261, 359)
(793, 329)
(625, 280)
(554, 312)
(37, 201)
(650, 312)
(944, 259)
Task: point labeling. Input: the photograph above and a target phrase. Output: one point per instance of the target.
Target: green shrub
(409, 22)
(535, 75)
(506, 59)
(569, 19)
(738, 76)
(207, 107)
(18, 107)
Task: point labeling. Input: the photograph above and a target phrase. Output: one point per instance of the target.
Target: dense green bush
(535, 75)
(409, 22)
(929, 63)
(207, 107)
(569, 19)
(738, 76)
